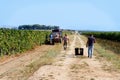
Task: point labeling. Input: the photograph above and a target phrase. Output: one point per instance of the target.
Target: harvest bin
(76, 51)
(79, 51)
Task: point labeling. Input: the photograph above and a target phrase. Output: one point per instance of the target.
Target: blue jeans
(90, 51)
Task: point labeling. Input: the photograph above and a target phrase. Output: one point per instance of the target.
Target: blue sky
(102, 15)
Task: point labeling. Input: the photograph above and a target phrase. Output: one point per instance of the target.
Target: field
(109, 40)
(52, 62)
(18, 41)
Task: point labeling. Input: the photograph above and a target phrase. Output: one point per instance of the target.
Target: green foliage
(18, 41)
(110, 45)
(114, 36)
(36, 27)
(108, 40)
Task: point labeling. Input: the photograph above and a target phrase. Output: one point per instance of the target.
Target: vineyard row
(114, 36)
(18, 41)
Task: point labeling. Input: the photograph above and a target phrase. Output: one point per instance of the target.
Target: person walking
(90, 45)
(65, 41)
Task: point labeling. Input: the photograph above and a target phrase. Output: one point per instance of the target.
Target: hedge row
(18, 41)
(114, 36)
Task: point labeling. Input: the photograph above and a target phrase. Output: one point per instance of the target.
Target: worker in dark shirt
(90, 45)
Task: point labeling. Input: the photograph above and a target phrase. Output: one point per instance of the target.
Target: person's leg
(90, 51)
(64, 45)
(92, 48)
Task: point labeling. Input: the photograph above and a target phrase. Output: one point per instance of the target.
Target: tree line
(36, 27)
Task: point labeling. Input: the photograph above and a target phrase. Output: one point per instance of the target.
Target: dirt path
(71, 67)
(13, 67)
(58, 70)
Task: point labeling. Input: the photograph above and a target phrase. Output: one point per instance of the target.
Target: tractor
(56, 36)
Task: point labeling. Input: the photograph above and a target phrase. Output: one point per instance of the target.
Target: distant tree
(37, 27)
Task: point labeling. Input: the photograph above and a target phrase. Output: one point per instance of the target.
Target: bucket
(79, 51)
(76, 51)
